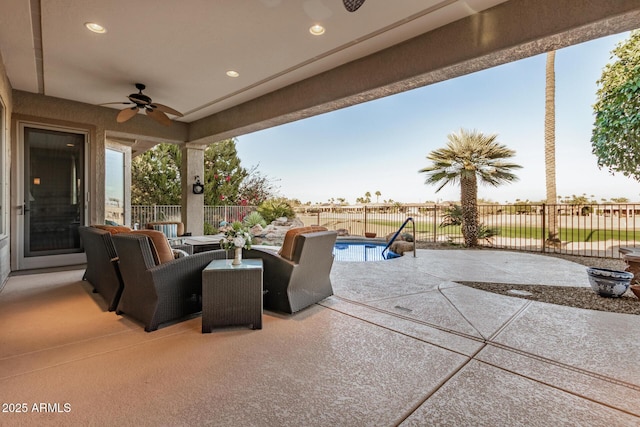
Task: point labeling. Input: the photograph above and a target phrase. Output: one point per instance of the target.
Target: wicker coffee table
(232, 295)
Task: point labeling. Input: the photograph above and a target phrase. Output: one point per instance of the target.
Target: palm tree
(550, 148)
(469, 157)
(378, 194)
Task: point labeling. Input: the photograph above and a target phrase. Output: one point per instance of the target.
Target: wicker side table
(232, 295)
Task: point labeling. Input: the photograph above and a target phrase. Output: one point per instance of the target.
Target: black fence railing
(597, 230)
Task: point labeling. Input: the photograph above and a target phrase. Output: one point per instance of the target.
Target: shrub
(452, 216)
(254, 218)
(275, 208)
(209, 229)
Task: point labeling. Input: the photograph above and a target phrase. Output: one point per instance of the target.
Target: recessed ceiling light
(316, 30)
(232, 73)
(96, 28)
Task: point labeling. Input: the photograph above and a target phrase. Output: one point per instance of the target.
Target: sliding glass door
(53, 196)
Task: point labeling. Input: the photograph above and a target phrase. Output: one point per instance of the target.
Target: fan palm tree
(469, 157)
(550, 148)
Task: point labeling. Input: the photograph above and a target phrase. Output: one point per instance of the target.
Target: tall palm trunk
(469, 202)
(550, 149)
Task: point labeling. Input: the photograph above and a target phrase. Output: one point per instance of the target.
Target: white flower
(238, 242)
(235, 236)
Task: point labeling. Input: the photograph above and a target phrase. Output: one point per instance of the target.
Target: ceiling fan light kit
(352, 5)
(140, 101)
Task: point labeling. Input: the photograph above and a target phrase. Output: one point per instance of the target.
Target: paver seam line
(445, 379)
(483, 341)
(440, 385)
(406, 334)
(390, 297)
(562, 365)
(411, 319)
(564, 389)
(459, 312)
(88, 356)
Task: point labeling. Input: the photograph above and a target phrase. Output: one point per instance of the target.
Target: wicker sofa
(298, 275)
(156, 292)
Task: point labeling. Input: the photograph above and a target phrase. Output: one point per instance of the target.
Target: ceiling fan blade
(158, 116)
(166, 109)
(116, 103)
(352, 5)
(126, 114)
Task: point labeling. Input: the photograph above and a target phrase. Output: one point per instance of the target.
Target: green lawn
(571, 234)
(425, 231)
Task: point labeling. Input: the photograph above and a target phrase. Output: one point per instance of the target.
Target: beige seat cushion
(113, 229)
(291, 240)
(160, 247)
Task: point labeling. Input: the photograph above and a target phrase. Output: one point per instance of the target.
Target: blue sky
(380, 145)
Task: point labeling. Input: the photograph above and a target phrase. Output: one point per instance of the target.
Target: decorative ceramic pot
(636, 290)
(370, 235)
(237, 259)
(609, 283)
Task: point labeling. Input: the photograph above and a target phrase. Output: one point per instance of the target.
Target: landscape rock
(401, 246)
(280, 221)
(256, 230)
(273, 234)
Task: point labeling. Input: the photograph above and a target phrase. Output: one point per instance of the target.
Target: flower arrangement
(235, 236)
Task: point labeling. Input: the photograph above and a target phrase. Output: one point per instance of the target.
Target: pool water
(358, 251)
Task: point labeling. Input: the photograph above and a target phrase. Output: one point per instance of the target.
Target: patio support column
(192, 204)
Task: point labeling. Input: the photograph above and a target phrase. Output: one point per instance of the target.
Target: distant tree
(155, 176)
(378, 194)
(223, 174)
(577, 200)
(619, 200)
(367, 197)
(469, 157)
(255, 188)
(615, 138)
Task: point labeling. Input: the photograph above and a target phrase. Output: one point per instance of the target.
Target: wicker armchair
(102, 265)
(298, 275)
(158, 293)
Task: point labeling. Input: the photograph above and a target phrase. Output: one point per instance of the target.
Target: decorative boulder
(400, 247)
(282, 221)
(296, 222)
(256, 230)
(342, 232)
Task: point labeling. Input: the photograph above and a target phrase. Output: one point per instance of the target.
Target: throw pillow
(169, 230)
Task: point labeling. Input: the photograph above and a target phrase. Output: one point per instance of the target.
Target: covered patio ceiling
(182, 52)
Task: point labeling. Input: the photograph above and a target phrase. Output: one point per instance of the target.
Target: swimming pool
(355, 251)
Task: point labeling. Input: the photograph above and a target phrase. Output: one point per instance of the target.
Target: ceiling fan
(143, 102)
(352, 5)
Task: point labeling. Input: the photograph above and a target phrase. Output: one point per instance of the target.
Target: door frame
(18, 260)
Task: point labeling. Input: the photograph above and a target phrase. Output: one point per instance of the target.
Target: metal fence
(213, 215)
(597, 230)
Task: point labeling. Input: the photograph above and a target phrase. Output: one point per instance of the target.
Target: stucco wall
(5, 156)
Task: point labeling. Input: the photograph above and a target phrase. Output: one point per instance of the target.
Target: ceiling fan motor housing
(139, 99)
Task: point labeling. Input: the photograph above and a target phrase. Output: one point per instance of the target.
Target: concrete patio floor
(400, 343)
